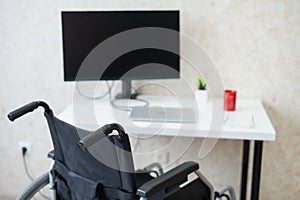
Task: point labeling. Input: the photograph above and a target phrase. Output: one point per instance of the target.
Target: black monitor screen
(83, 31)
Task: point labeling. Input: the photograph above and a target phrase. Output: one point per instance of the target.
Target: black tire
(34, 187)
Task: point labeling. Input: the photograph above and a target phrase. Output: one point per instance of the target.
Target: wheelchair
(99, 166)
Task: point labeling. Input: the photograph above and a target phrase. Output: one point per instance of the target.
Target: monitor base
(121, 96)
(126, 91)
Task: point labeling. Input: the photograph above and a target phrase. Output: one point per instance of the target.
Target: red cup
(229, 100)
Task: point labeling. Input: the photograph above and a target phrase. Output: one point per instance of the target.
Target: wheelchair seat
(99, 165)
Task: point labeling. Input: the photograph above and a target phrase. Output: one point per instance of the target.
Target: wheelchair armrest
(168, 180)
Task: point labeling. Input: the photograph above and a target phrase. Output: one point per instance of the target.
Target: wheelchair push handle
(26, 109)
(102, 132)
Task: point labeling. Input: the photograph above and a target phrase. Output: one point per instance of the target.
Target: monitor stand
(126, 90)
(126, 95)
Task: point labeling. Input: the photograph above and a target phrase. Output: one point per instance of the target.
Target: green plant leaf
(201, 84)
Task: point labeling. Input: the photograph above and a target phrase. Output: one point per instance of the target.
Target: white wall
(255, 45)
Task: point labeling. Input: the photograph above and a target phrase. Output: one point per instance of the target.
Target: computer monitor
(83, 31)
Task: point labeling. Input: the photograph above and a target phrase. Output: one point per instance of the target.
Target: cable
(26, 168)
(24, 150)
(95, 98)
(126, 108)
(112, 101)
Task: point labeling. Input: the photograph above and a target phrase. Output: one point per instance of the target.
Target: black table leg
(244, 174)
(258, 148)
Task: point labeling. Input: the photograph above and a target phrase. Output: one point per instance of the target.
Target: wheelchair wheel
(34, 187)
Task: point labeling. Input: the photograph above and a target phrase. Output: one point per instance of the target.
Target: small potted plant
(201, 94)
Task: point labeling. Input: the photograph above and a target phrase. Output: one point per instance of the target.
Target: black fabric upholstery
(80, 173)
(103, 171)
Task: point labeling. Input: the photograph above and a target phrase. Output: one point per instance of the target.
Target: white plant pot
(201, 97)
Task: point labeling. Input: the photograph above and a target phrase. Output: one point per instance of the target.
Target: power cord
(113, 101)
(126, 108)
(98, 97)
(24, 151)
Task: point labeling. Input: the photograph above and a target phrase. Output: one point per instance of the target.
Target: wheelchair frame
(176, 176)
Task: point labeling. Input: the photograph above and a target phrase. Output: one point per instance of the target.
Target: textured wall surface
(255, 45)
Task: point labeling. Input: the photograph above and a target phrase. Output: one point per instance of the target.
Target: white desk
(100, 112)
(248, 122)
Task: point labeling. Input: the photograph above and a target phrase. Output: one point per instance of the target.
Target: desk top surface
(248, 122)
